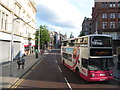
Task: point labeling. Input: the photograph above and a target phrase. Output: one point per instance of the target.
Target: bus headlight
(102, 74)
(93, 75)
(111, 74)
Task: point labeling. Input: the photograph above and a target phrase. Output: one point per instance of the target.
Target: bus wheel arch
(63, 61)
(77, 71)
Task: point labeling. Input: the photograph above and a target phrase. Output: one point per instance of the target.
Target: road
(51, 73)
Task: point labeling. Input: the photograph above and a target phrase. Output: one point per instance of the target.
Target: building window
(118, 24)
(104, 4)
(2, 20)
(6, 20)
(118, 35)
(112, 4)
(17, 9)
(89, 28)
(104, 24)
(104, 15)
(112, 15)
(118, 15)
(118, 4)
(112, 24)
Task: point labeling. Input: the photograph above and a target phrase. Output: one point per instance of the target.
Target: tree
(36, 39)
(71, 35)
(44, 36)
(81, 34)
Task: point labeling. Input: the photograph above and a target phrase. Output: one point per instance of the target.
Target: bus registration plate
(102, 79)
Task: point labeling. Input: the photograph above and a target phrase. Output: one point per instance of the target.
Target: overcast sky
(64, 16)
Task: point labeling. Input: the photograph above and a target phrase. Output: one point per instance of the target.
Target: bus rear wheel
(77, 72)
(63, 61)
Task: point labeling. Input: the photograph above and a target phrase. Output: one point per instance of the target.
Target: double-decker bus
(90, 57)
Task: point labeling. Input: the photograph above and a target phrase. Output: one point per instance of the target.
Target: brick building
(106, 20)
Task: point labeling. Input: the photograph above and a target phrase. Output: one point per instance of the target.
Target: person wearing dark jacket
(18, 63)
(118, 57)
(118, 66)
(23, 62)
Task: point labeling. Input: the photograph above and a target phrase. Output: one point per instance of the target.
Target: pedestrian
(18, 63)
(36, 53)
(119, 57)
(118, 66)
(41, 51)
(23, 62)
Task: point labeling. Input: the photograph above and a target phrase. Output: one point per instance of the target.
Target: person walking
(23, 62)
(18, 63)
(118, 66)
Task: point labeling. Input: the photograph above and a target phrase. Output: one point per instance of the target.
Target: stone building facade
(17, 19)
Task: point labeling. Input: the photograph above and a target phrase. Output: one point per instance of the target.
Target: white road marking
(116, 79)
(56, 61)
(19, 81)
(60, 69)
(68, 84)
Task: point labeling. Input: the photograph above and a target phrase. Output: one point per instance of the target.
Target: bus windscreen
(100, 64)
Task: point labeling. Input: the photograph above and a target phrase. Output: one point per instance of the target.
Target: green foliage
(71, 35)
(44, 34)
(81, 34)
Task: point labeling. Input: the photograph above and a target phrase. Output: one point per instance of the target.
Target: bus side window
(84, 63)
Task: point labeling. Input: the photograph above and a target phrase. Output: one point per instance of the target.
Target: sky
(64, 16)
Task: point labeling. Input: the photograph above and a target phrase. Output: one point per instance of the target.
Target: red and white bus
(91, 56)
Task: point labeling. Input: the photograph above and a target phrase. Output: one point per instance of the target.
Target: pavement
(6, 80)
(116, 72)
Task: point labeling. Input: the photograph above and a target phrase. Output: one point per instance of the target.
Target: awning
(33, 45)
(26, 45)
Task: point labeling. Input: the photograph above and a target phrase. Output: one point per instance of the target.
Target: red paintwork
(73, 67)
(26, 45)
(97, 76)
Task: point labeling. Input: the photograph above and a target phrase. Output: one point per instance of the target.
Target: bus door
(84, 65)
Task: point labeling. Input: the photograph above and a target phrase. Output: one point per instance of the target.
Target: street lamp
(38, 38)
(12, 33)
(38, 43)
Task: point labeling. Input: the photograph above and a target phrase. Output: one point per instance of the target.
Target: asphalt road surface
(50, 73)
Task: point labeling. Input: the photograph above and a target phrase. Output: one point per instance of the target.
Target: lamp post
(38, 38)
(38, 43)
(12, 34)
